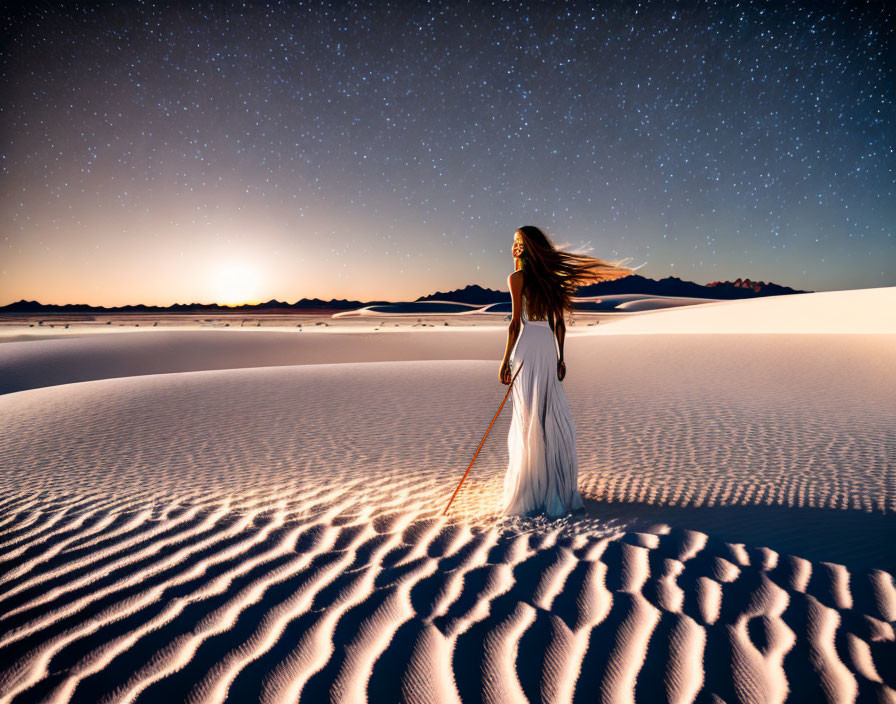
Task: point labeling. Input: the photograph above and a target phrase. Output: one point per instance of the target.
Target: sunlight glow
(235, 283)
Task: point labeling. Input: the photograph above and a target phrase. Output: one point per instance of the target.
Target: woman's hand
(561, 369)
(504, 373)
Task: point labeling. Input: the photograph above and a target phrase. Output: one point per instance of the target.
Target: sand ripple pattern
(274, 534)
(799, 421)
(278, 597)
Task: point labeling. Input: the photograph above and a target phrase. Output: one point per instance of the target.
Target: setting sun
(236, 283)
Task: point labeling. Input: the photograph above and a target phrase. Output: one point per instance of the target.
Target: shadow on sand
(854, 539)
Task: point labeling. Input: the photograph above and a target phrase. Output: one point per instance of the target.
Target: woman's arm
(515, 282)
(560, 331)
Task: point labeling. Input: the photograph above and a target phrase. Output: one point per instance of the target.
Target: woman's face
(517, 245)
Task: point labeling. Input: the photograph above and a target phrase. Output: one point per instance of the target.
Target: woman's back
(524, 311)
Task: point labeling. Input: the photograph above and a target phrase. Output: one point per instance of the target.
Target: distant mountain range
(673, 286)
(24, 306)
(469, 294)
(670, 286)
(477, 295)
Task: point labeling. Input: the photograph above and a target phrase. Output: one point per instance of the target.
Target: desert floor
(193, 512)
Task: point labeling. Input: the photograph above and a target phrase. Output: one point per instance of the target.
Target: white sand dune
(27, 365)
(636, 302)
(273, 532)
(660, 303)
(868, 311)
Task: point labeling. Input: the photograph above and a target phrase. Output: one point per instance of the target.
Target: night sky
(158, 153)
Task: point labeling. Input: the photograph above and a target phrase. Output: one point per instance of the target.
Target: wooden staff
(509, 387)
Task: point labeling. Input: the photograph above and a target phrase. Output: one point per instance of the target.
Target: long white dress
(543, 469)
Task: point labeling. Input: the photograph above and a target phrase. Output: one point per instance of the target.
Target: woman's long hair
(551, 276)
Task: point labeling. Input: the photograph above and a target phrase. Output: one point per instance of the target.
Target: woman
(543, 469)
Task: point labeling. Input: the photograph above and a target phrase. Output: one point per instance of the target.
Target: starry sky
(168, 152)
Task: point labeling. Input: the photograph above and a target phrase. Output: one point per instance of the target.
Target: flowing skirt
(543, 469)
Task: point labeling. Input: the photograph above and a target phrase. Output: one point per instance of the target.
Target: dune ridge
(854, 312)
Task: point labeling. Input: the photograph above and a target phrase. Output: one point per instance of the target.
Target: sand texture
(258, 517)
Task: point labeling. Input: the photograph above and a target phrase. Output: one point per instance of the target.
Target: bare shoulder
(515, 280)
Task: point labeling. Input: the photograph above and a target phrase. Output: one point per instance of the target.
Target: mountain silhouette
(673, 286)
(473, 293)
(670, 286)
(24, 306)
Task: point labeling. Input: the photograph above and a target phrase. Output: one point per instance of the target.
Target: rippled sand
(270, 529)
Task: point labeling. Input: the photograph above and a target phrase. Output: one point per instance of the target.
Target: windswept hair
(551, 276)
